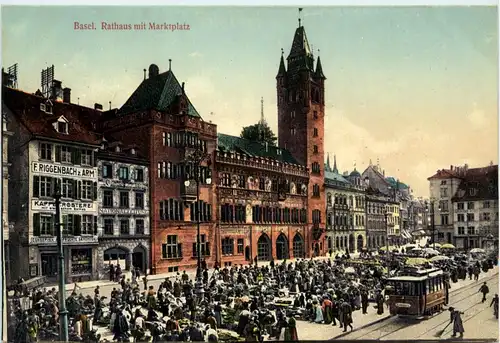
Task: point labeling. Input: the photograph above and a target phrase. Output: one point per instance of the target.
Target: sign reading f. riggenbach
(52, 169)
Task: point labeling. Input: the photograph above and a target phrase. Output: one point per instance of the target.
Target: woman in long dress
(318, 311)
(291, 331)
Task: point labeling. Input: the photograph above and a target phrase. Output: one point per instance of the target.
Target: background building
(123, 197)
(377, 229)
(262, 192)
(345, 209)
(475, 205)
(6, 134)
(162, 122)
(51, 147)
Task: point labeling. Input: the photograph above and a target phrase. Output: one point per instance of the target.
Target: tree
(259, 133)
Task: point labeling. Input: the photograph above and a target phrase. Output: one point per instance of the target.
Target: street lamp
(63, 314)
(386, 239)
(193, 172)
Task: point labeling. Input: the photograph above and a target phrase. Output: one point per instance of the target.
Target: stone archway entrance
(264, 248)
(139, 258)
(316, 249)
(352, 247)
(360, 243)
(118, 256)
(282, 247)
(247, 253)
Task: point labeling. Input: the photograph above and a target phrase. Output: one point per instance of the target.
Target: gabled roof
(251, 148)
(478, 184)
(26, 108)
(156, 93)
(377, 173)
(443, 174)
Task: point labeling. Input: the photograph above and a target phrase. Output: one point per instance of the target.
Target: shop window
(81, 261)
(240, 245)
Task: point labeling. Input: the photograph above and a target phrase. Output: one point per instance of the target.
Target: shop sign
(123, 211)
(54, 170)
(67, 240)
(44, 205)
(235, 231)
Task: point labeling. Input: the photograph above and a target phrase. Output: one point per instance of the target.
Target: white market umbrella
(416, 249)
(477, 251)
(431, 251)
(439, 258)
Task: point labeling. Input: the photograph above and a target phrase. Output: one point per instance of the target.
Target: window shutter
(73, 156)
(207, 249)
(36, 186)
(94, 159)
(58, 153)
(79, 190)
(58, 185)
(94, 191)
(74, 186)
(64, 224)
(53, 182)
(179, 250)
(95, 225)
(195, 251)
(78, 156)
(36, 224)
(78, 225)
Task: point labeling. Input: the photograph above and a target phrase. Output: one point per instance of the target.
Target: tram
(419, 294)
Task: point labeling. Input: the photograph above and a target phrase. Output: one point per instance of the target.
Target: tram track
(395, 324)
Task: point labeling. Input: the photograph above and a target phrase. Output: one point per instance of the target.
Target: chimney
(67, 95)
(383, 172)
(183, 88)
(144, 73)
(97, 107)
(266, 142)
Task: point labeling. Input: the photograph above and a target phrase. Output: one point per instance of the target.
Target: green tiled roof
(233, 143)
(156, 93)
(393, 182)
(330, 175)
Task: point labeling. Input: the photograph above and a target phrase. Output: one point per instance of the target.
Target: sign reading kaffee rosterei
(62, 170)
(66, 206)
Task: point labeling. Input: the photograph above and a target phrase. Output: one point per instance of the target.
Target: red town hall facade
(263, 202)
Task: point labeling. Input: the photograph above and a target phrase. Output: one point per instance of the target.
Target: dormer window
(132, 151)
(62, 127)
(117, 149)
(472, 191)
(48, 108)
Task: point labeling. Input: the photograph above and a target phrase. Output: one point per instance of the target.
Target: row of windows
(124, 199)
(66, 154)
(343, 220)
(470, 205)
(123, 173)
(124, 225)
(44, 186)
(72, 224)
(172, 209)
(183, 139)
(169, 170)
(356, 201)
(172, 249)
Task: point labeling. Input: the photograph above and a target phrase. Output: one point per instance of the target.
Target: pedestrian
(494, 303)
(364, 301)
(485, 290)
(346, 311)
(456, 319)
(111, 272)
(118, 273)
(379, 298)
(145, 281)
(133, 275)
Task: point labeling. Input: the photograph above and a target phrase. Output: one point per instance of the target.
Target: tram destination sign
(52, 169)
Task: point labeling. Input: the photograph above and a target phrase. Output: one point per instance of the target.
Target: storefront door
(49, 265)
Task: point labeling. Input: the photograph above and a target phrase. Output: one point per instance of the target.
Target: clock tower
(301, 118)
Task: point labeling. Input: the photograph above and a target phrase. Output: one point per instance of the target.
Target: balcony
(189, 193)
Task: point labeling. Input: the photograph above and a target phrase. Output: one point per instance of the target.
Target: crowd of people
(240, 303)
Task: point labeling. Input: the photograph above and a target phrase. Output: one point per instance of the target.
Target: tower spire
(328, 161)
(300, 10)
(319, 69)
(281, 69)
(262, 121)
(262, 110)
(335, 170)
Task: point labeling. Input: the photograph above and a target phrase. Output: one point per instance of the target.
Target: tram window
(427, 286)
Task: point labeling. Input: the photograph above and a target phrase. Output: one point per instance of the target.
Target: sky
(413, 87)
